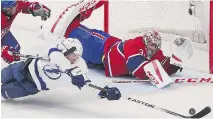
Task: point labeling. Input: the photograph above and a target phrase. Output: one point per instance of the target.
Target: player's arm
(35, 8)
(135, 57)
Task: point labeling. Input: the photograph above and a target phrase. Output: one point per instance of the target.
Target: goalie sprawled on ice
(140, 56)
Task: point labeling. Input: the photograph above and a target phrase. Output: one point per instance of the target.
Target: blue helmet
(8, 3)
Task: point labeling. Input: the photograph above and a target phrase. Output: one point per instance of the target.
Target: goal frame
(107, 26)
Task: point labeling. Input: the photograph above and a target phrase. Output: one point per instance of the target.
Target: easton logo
(141, 102)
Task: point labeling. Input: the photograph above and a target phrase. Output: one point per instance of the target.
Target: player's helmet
(71, 45)
(152, 38)
(8, 3)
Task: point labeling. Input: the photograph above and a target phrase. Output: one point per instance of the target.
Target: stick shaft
(176, 80)
(200, 114)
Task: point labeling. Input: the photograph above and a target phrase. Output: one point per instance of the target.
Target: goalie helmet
(71, 45)
(152, 40)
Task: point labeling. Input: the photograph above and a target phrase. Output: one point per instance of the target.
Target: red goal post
(109, 9)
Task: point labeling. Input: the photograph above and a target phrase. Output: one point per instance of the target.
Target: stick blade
(202, 113)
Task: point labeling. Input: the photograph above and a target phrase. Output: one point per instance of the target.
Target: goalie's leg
(92, 41)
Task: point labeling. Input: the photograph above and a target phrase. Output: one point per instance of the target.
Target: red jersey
(6, 21)
(130, 57)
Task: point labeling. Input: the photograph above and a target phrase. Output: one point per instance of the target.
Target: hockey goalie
(141, 57)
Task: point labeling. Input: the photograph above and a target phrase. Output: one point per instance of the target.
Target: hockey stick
(35, 57)
(200, 114)
(176, 80)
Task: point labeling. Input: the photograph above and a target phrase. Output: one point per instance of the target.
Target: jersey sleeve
(24, 6)
(57, 57)
(135, 57)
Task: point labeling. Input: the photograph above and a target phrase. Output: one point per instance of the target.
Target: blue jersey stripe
(134, 61)
(53, 50)
(43, 84)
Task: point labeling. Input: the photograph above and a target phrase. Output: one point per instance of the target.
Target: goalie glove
(157, 75)
(37, 9)
(181, 49)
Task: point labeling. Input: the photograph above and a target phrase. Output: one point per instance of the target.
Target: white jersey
(47, 75)
(51, 74)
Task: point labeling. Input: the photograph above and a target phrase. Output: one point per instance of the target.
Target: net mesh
(127, 19)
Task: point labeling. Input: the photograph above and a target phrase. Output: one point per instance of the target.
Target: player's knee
(16, 90)
(17, 71)
(6, 75)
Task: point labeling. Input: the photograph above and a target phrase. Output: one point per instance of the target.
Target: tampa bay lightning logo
(52, 71)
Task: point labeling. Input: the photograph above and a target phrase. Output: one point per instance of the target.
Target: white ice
(69, 101)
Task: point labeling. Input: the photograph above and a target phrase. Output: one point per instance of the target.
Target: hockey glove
(78, 78)
(9, 54)
(111, 93)
(37, 9)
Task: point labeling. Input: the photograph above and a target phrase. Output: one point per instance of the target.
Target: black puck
(192, 111)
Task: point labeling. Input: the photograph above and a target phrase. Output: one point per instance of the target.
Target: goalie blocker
(157, 74)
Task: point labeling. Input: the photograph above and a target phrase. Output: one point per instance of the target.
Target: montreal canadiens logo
(52, 72)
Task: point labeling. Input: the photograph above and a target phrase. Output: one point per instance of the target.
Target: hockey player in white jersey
(65, 65)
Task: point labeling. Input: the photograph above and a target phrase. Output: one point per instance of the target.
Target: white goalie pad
(157, 74)
(70, 13)
(54, 29)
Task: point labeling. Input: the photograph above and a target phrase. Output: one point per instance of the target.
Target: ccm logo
(193, 80)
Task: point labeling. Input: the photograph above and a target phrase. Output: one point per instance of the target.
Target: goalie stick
(200, 114)
(176, 80)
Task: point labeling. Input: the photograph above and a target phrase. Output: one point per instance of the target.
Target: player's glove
(111, 93)
(37, 9)
(78, 77)
(9, 54)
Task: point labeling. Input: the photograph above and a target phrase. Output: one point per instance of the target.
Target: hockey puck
(192, 111)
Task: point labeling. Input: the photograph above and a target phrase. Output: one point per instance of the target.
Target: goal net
(127, 19)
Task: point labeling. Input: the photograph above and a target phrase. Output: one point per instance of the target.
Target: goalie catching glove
(181, 49)
(37, 9)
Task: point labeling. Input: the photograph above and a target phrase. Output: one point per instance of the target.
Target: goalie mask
(152, 41)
